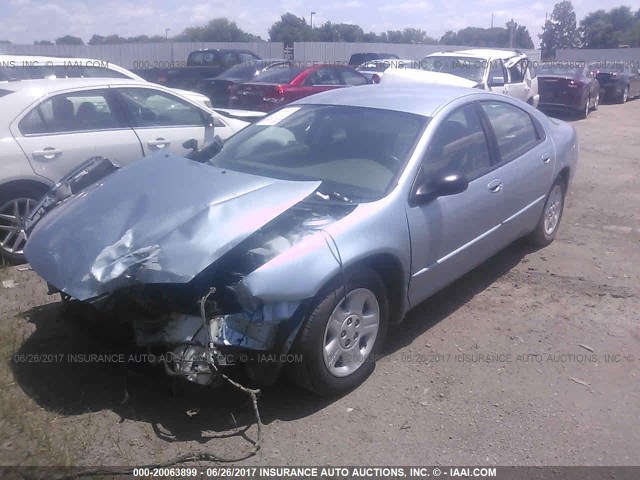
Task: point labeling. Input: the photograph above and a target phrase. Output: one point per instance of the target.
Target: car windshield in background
(241, 71)
(279, 75)
(558, 70)
(382, 65)
(331, 144)
(465, 67)
(607, 67)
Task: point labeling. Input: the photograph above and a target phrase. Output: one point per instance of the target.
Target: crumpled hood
(413, 76)
(162, 219)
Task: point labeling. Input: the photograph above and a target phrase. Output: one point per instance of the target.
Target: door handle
(48, 153)
(159, 142)
(546, 157)
(495, 186)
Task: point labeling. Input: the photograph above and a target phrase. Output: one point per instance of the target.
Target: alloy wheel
(351, 332)
(553, 210)
(12, 232)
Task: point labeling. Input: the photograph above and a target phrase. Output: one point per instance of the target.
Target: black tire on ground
(542, 235)
(31, 191)
(624, 96)
(312, 372)
(584, 112)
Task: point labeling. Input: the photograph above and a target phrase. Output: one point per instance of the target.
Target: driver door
(452, 234)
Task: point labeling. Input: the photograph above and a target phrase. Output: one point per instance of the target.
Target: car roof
(419, 100)
(487, 53)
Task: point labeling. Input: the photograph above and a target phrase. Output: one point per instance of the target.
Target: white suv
(501, 71)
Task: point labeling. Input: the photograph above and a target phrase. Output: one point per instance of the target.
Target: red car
(279, 86)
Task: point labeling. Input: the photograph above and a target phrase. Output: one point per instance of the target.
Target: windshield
(355, 152)
(279, 75)
(558, 70)
(607, 67)
(465, 67)
(382, 65)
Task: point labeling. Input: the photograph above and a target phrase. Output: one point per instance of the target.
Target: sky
(23, 21)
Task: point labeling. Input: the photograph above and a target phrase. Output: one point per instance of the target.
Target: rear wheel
(584, 113)
(596, 103)
(625, 95)
(15, 205)
(343, 334)
(547, 227)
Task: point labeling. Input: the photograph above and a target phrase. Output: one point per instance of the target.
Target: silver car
(310, 233)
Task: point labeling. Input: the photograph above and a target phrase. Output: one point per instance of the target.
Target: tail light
(576, 83)
(162, 79)
(375, 78)
(274, 95)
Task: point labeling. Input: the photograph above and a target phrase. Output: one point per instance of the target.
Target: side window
(352, 77)
(459, 144)
(513, 127)
(246, 57)
(324, 76)
(496, 70)
(70, 112)
(148, 107)
(516, 72)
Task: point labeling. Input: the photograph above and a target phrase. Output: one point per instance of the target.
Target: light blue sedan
(311, 232)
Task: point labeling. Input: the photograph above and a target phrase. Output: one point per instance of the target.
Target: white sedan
(48, 128)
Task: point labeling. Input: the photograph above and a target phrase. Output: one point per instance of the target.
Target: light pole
(166, 33)
(312, 14)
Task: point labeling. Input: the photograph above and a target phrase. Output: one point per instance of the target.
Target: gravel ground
(531, 359)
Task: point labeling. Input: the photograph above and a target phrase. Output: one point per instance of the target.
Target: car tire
(596, 103)
(353, 305)
(25, 196)
(584, 112)
(624, 96)
(547, 227)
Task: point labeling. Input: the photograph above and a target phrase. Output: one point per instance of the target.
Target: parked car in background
(277, 87)
(619, 81)
(500, 71)
(360, 58)
(218, 89)
(49, 127)
(33, 67)
(200, 64)
(374, 70)
(312, 232)
(566, 87)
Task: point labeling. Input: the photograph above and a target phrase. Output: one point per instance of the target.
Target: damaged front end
(171, 256)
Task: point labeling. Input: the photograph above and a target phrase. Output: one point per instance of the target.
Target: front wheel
(15, 207)
(547, 227)
(343, 334)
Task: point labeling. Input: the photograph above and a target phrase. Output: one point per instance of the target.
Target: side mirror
(191, 144)
(444, 184)
(496, 82)
(375, 78)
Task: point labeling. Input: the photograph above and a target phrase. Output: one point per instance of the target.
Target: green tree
(289, 29)
(560, 31)
(217, 30)
(418, 36)
(42, 42)
(69, 40)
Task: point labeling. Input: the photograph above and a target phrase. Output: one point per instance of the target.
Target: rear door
(526, 164)
(62, 131)
(163, 121)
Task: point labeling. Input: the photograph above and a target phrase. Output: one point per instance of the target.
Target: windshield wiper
(333, 196)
